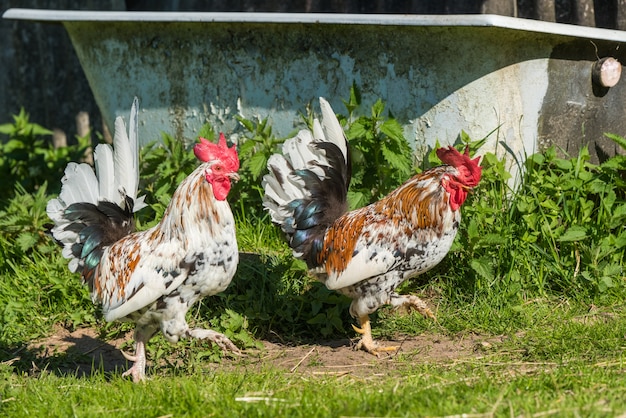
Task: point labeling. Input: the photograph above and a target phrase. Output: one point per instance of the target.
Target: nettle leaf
(246, 123)
(617, 162)
(612, 270)
(256, 164)
(393, 130)
(207, 132)
(378, 108)
(574, 233)
(246, 147)
(598, 186)
(472, 230)
(26, 241)
(483, 267)
(397, 161)
(605, 283)
(6, 128)
(432, 158)
(356, 130)
(356, 199)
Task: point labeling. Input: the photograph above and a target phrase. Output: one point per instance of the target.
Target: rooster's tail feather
(96, 209)
(306, 188)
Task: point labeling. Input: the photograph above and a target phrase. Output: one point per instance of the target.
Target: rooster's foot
(138, 370)
(367, 343)
(128, 356)
(412, 302)
(220, 339)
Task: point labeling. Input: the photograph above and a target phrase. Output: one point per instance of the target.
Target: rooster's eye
(217, 168)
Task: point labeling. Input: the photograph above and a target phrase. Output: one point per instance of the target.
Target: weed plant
(381, 156)
(561, 232)
(29, 159)
(558, 236)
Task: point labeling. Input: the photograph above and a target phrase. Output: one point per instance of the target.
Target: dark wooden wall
(599, 13)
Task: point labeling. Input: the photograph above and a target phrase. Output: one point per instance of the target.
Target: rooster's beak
(234, 176)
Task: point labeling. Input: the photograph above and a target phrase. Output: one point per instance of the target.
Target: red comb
(449, 155)
(206, 151)
(463, 162)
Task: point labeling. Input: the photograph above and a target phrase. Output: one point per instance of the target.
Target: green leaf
(563, 164)
(393, 130)
(257, 164)
(619, 140)
(247, 147)
(39, 130)
(378, 108)
(6, 128)
(246, 123)
(617, 162)
(472, 230)
(356, 130)
(618, 216)
(356, 199)
(537, 159)
(574, 233)
(491, 239)
(483, 267)
(207, 132)
(612, 270)
(605, 283)
(396, 161)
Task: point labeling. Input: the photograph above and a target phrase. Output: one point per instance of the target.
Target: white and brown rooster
(150, 277)
(367, 253)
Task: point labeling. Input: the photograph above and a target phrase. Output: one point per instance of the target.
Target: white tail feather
(105, 171)
(125, 156)
(332, 128)
(116, 176)
(300, 153)
(79, 184)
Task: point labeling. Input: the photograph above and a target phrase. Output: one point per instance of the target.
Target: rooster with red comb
(367, 253)
(150, 277)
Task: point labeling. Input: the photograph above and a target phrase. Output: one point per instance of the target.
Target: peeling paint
(436, 80)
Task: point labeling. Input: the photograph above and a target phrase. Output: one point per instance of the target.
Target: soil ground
(86, 353)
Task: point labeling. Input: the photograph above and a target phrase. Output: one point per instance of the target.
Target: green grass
(549, 357)
(553, 356)
(537, 274)
(565, 365)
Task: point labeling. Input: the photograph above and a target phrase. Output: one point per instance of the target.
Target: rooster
(151, 277)
(366, 253)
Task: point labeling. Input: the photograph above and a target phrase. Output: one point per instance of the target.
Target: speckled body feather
(366, 253)
(150, 277)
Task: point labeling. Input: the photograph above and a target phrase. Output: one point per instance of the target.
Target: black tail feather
(328, 201)
(97, 226)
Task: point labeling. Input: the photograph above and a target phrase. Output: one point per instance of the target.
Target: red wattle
(221, 187)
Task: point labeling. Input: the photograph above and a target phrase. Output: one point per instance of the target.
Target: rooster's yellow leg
(366, 342)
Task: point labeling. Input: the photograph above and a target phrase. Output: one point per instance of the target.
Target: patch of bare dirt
(340, 357)
(82, 351)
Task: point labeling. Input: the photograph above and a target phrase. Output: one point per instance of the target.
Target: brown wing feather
(418, 204)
